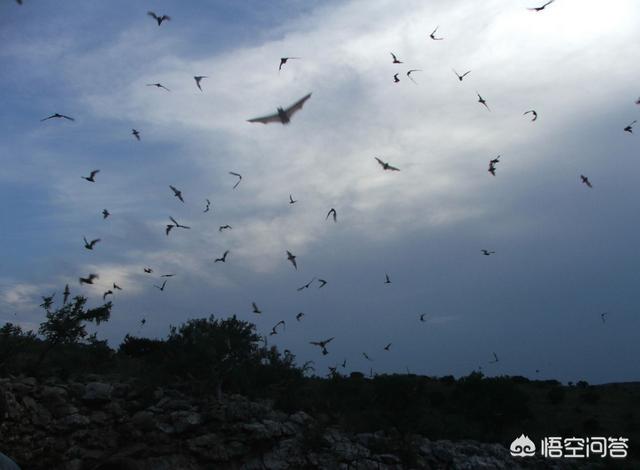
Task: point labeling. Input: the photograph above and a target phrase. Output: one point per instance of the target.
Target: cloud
(575, 66)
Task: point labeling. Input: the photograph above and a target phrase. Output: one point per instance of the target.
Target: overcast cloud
(564, 253)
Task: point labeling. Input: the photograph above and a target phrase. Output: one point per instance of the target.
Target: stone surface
(74, 426)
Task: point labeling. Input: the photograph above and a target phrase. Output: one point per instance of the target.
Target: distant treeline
(222, 356)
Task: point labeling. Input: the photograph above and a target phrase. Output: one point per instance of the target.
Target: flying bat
(158, 85)
(433, 35)
(629, 128)
(206, 209)
(306, 286)
(223, 258)
(460, 77)
(88, 280)
(161, 288)
(255, 308)
(395, 78)
(586, 181)
(177, 193)
(65, 294)
(322, 344)
(283, 60)
(177, 224)
(291, 257)
(332, 211)
(105, 213)
(291, 200)
(135, 133)
(386, 279)
(92, 176)
(239, 178)
(282, 115)
(159, 19)
(90, 245)
(395, 59)
(487, 252)
(57, 115)
(482, 101)
(386, 166)
(198, 79)
(410, 72)
(273, 330)
(533, 112)
(542, 7)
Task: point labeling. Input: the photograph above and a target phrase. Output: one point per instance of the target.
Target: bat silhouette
(92, 176)
(291, 257)
(177, 193)
(283, 115)
(198, 79)
(460, 77)
(283, 60)
(159, 19)
(542, 7)
(88, 280)
(57, 115)
(90, 245)
(386, 166)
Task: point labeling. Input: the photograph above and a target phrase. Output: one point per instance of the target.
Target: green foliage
(67, 325)
(14, 341)
(556, 395)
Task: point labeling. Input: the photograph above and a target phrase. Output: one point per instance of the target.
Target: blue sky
(564, 253)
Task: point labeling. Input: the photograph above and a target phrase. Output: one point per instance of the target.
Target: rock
(53, 394)
(185, 420)
(389, 459)
(209, 447)
(300, 418)
(256, 430)
(74, 420)
(63, 409)
(97, 393)
(144, 420)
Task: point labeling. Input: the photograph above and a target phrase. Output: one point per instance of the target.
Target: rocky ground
(76, 425)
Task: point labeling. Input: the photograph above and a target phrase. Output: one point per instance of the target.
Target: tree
(214, 349)
(13, 342)
(68, 324)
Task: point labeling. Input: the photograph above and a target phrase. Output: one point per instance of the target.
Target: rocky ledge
(73, 425)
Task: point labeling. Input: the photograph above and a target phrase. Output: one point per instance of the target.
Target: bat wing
(297, 105)
(266, 119)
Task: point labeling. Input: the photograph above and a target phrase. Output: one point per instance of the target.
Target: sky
(564, 253)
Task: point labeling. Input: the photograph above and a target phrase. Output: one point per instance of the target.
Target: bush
(556, 395)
